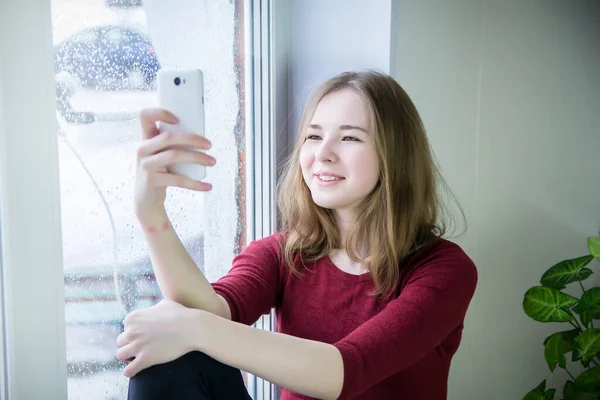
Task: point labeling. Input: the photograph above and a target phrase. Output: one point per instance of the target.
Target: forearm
(177, 275)
(303, 366)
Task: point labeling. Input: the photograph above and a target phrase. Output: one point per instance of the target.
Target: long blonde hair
(403, 212)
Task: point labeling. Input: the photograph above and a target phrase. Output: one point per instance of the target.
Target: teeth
(328, 178)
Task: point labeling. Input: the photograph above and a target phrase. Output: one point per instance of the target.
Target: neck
(345, 220)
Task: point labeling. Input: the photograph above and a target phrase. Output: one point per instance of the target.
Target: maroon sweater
(399, 348)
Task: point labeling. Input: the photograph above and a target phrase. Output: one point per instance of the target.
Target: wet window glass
(107, 55)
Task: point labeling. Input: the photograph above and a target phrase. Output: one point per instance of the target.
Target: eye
(313, 137)
(350, 139)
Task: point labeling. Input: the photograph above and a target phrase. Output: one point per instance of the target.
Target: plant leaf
(554, 352)
(534, 395)
(570, 392)
(589, 305)
(549, 395)
(545, 304)
(567, 271)
(568, 339)
(542, 386)
(588, 345)
(589, 381)
(594, 246)
(537, 393)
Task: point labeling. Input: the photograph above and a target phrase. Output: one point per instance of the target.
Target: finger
(138, 364)
(126, 352)
(162, 179)
(123, 339)
(150, 116)
(170, 157)
(135, 314)
(167, 139)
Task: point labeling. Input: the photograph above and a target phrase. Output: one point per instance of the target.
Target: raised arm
(177, 275)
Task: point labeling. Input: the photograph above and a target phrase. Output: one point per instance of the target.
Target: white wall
(330, 37)
(510, 95)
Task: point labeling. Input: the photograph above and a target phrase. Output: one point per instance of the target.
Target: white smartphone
(181, 91)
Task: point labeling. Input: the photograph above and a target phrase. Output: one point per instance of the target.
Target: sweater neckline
(346, 275)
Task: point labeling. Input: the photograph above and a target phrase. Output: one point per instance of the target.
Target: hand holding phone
(181, 92)
(173, 145)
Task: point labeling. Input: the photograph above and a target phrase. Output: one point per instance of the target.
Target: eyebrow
(342, 127)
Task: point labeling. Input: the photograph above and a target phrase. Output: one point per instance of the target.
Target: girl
(370, 300)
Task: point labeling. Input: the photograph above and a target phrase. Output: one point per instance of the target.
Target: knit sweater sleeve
(432, 304)
(251, 286)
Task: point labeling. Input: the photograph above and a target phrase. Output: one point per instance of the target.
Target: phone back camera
(177, 81)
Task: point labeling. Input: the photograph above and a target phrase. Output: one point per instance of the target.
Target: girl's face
(338, 158)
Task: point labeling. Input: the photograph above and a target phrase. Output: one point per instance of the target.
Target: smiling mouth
(329, 178)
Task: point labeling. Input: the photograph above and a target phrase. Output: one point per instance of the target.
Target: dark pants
(192, 376)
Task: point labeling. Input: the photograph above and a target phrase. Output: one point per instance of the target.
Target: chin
(327, 203)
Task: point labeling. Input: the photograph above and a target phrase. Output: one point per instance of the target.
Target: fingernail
(212, 161)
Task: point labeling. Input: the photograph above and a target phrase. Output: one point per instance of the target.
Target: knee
(184, 377)
(199, 361)
(202, 363)
(190, 363)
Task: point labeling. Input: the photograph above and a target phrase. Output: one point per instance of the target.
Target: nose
(326, 152)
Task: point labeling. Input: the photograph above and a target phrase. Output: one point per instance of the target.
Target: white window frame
(32, 272)
(31, 269)
(268, 63)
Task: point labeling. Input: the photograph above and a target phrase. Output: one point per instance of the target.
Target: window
(102, 85)
(105, 57)
(87, 36)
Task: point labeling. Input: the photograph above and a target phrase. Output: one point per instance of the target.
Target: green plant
(547, 303)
